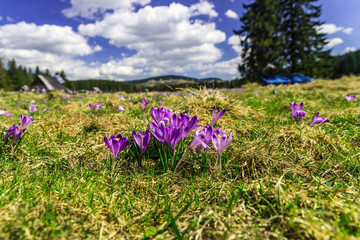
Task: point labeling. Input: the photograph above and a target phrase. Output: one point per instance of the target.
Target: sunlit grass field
(281, 178)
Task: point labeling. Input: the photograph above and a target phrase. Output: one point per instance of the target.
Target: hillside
(171, 80)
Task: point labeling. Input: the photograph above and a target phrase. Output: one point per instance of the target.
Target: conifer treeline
(16, 76)
(346, 64)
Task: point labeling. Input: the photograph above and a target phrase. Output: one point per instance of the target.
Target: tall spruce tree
(260, 38)
(303, 44)
(281, 36)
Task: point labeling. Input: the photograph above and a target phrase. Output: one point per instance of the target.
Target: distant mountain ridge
(171, 80)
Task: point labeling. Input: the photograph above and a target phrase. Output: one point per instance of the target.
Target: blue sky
(133, 39)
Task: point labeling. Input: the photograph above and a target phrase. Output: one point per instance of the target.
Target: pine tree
(260, 39)
(303, 44)
(15, 74)
(280, 36)
(4, 79)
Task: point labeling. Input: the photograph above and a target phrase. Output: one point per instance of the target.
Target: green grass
(282, 179)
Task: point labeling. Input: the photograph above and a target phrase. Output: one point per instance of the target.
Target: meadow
(280, 178)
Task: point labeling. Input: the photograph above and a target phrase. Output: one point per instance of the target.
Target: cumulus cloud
(228, 67)
(333, 42)
(348, 30)
(350, 49)
(92, 9)
(231, 14)
(330, 28)
(164, 37)
(234, 41)
(203, 8)
(44, 38)
(1, 18)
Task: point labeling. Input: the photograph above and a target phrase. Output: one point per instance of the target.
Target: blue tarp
(287, 78)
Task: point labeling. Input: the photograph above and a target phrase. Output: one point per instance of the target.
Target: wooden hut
(49, 83)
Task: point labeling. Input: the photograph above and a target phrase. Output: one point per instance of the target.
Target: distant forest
(346, 64)
(13, 77)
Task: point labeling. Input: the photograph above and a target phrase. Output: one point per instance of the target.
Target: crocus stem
(220, 165)
(178, 164)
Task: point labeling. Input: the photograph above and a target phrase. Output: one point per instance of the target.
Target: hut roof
(51, 83)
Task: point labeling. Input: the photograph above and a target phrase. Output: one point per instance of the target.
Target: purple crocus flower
(91, 106)
(318, 120)
(209, 131)
(120, 108)
(256, 94)
(142, 140)
(121, 97)
(296, 111)
(275, 91)
(349, 97)
(155, 95)
(160, 102)
(169, 135)
(144, 103)
(26, 121)
(46, 101)
(220, 142)
(216, 115)
(161, 114)
(116, 144)
(99, 106)
(32, 108)
(68, 102)
(15, 131)
(2, 112)
(199, 140)
(189, 123)
(8, 114)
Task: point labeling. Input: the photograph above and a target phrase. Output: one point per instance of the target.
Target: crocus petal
(136, 138)
(146, 140)
(11, 131)
(26, 121)
(17, 135)
(123, 143)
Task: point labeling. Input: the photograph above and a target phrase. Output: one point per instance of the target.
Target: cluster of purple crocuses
(298, 113)
(144, 103)
(170, 128)
(97, 106)
(17, 130)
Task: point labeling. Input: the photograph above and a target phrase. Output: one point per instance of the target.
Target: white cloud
(333, 42)
(203, 8)
(9, 19)
(330, 28)
(234, 41)
(229, 67)
(44, 38)
(350, 49)
(348, 30)
(1, 18)
(164, 37)
(93, 8)
(231, 14)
